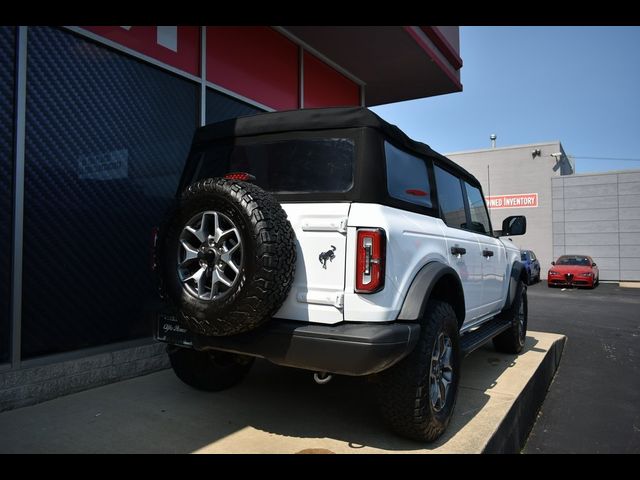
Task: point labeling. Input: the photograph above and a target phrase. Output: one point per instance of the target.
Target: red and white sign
(178, 46)
(517, 200)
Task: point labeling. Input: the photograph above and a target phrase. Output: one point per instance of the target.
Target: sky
(579, 85)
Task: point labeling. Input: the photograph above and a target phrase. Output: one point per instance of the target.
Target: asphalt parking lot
(593, 405)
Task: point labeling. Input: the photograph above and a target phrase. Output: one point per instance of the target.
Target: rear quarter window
(407, 177)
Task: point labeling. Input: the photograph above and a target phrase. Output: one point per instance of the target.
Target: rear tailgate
(317, 294)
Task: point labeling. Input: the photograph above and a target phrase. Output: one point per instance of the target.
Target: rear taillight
(154, 244)
(242, 176)
(370, 253)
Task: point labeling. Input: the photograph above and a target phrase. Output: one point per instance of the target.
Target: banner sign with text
(517, 200)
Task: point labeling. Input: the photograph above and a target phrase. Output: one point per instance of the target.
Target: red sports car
(573, 270)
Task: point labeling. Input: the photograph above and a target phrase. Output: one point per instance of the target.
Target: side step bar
(476, 338)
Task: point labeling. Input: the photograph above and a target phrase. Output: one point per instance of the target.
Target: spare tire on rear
(227, 257)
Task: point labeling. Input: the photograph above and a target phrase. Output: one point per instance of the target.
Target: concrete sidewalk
(280, 410)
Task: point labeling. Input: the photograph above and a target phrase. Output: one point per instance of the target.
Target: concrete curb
(512, 433)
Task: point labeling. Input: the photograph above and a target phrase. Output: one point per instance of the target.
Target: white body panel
(469, 268)
(413, 240)
(317, 292)
(326, 295)
(512, 254)
(493, 273)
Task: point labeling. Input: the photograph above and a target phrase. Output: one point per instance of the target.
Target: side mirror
(593, 264)
(553, 263)
(514, 225)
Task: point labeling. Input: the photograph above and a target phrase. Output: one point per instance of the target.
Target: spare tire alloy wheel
(209, 255)
(227, 257)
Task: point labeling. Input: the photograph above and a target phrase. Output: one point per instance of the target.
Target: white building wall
(599, 215)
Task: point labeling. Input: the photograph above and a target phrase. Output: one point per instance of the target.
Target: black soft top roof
(318, 119)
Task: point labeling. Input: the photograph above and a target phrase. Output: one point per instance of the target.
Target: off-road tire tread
(402, 390)
(509, 341)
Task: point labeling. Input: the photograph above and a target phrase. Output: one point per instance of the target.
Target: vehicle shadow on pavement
(287, 402)
(275, 410)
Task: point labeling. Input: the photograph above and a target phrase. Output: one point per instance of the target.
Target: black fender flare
(422, 286)
(517, 271)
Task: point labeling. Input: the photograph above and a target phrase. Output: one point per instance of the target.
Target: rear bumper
(347, 348)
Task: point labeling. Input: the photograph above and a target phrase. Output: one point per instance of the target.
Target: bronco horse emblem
(328, 255)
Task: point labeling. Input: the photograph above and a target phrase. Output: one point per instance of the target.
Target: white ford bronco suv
(327, 240)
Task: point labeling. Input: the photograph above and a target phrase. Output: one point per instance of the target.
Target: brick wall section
(28, 386)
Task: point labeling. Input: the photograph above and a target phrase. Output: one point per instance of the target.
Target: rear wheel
(209, 370)
(512, 340)
(417, 395)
